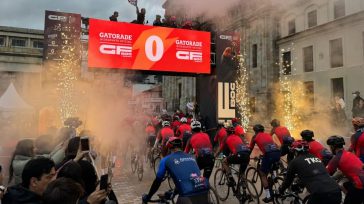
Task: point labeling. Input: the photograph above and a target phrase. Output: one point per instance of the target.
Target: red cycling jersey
(281, 132)
(235, 144)
(264, 141)
(239, 131)
(357, 144)
(165, 133)
(350, 165)
(175, 124)
(221, 134)
(316, 149)
(199, 142)
(182, 129)
(150, 130)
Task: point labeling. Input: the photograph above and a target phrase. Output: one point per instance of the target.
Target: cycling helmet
(195, 125)
(166, 123)
(234, 120)
(307, 135)
(174, 142)
(358, 121)
(176, 117)
(230, 130)
(258, 128)
(336, 141)
(275, 123)
(183, 120)
(300, 146)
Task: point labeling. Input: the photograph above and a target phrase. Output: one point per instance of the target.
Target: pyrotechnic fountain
(242, 95)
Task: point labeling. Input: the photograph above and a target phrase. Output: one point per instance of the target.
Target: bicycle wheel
(213, 197)
(140, 171)
(253, 176)
(133, 163)
(220, 184)
(156, 162)
(249, 192)
(170, 182)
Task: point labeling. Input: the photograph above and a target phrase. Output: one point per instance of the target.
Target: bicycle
(244, 190)
(293, 192)
(136, 165)
(170, 197)
(252, 173)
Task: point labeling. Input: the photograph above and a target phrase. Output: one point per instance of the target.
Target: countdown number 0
(149, 43)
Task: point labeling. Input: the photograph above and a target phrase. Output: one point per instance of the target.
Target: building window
(255, 55)
(339, 9)
(336, 53)
(312, 18)
(38, 44)
(337, 87)
(18, 42)
(310, 93)
(2, 41)
(308, 59)
(287, 63)
(291, 27)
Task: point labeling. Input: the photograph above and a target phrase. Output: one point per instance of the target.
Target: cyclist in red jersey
(183, 129)
(271, 155)
(284, 137)
(238, 153)
(201, 144)
(163, 135)
(175, 123)
(316, 148)
(151, 134)
(239, 131)
(221, 133)
(357, 139)
(350, 166)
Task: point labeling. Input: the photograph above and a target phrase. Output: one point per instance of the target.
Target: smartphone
(104, 182)
(1, 168)
(85, 144)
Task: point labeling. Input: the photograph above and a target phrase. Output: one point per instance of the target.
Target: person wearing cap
(157, 21)
(312, 174)
(114, 17)
(356, 104)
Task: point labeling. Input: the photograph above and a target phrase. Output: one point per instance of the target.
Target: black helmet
(230, 129)
(336, 141)
(258, 128)
(307, 135)
(275, 123)
(174, 142)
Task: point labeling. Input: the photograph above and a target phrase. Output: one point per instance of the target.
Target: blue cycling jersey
(185, 174)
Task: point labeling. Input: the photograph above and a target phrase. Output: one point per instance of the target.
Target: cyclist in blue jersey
(191, 186)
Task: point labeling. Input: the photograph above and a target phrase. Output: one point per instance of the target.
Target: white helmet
(183, 120)
(195, 124)
(166, 123)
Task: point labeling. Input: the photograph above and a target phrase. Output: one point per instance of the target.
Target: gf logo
(226, 92)
(57, 18)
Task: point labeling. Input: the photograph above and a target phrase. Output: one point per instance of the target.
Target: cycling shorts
(268, 160)
(241, 158)
(202, 198)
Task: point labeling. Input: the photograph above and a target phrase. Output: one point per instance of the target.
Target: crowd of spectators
(168, 21)
(55, 170)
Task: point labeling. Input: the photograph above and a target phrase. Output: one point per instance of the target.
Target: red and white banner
(141, 47)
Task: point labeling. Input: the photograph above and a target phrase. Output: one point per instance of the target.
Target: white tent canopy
(12, 101)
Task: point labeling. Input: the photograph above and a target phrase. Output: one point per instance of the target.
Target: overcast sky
(30, 13)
